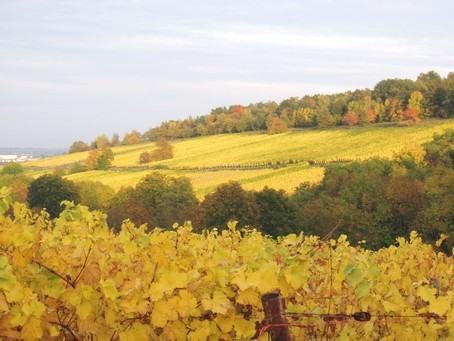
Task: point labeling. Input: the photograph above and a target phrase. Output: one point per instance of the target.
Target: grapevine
(73, 277)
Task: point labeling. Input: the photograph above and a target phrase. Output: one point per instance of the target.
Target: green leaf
(374, 271)
(352, 274)
(362, 289)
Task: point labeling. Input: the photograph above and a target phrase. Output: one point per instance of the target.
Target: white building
(15, 158)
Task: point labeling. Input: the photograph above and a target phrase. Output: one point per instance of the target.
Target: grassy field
(230, 154)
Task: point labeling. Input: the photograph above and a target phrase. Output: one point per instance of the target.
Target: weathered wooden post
(273, 306)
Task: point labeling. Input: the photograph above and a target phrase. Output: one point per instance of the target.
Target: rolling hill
(280, 161)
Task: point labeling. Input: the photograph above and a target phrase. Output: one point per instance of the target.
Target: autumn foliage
(74, 278)
(410, 115)
(350, 118)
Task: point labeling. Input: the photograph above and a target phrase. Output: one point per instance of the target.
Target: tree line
(391, 100)
(375, 201)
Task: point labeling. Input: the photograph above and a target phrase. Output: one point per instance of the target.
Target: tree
(395, 89)
(302, 117)
(115, 140)
(125, 205)
(437, 217)
(410, 115)
(276, 126)
(406, 198)
(78, 146)
(48, 191)
(449, 101)
(163, 151)
(277, 213)
(145, 157)
(230, 202)
(101, 142)
(350, 118)
(12, 168)
(322, 115)
(95, 195)
(18, 185)
(133, 137)
(440, 151)
(415, 101)
(99, 159)
(157, 200)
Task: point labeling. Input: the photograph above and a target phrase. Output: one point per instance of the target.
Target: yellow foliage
(209, 286)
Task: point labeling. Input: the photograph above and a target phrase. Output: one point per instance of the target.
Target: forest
(391, 100)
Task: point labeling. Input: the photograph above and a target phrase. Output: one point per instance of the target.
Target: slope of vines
(73, 277)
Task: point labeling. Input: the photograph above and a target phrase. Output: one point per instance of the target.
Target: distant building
(15, 158)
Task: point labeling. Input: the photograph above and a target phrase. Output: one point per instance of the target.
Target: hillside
(254, 159)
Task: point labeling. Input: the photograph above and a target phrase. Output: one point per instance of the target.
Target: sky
(73, 70)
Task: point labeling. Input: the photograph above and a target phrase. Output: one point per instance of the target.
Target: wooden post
(273, 305)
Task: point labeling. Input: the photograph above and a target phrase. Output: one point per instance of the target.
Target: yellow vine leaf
(249, 296)
(33, 308)
(91, 274)
(439, 305)
(186, 304)
(32, 329)
(16, 294)
(3, 303)
(245, 329)
(22, 238)
(137, 332)
(84, 309)
(71, 297)
(225, 323)
(172, 280)
(88, 327)
(220, 303)
(175, 330)
(362, 289)
(295, 276)
(109, 289)
(201, 330)
(426, 293)
(164, 311)
(241, 281)
(156, 291)
(5, 238)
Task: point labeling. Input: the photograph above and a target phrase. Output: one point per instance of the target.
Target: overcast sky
(73, 70)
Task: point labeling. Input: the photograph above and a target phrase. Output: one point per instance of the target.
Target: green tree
(157, 200)
(277, 213)
(101, 142)
(322, 115)
(437, 217)
(230, 202)
(115, 140)
(125, 205)
(12, 168)
(95, 195)
(48, 191)
(440, 151)
(78, 146)
(99, 159)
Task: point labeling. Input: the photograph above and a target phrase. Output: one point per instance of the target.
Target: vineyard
(281, 161)
(75, 278)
